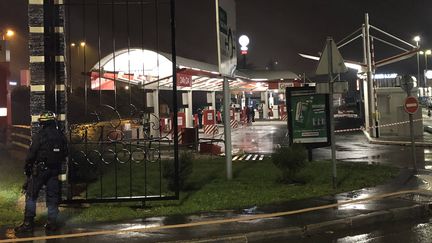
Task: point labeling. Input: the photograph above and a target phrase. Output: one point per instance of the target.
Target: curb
(390, 215)
(400, 143)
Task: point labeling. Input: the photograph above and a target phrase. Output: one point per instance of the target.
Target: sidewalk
(207, 226)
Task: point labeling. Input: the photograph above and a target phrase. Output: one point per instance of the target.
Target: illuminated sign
(385, 75)
(184, 80)
(3, 112)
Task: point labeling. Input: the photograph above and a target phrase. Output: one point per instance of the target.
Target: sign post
(331, 62)
(227, 61)
(411, 106)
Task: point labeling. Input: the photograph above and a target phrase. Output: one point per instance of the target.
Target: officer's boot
(51, 225)
(26, 226)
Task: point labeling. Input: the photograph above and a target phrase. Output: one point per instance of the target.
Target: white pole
(332, 136)
(266, 105)
(227, 127)
(213, 100)
(371, 97)
(155, 119)
(188, 114)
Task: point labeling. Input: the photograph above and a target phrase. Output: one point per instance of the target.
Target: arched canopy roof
(141, 66)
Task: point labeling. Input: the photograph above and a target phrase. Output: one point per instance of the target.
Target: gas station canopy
(154, 71)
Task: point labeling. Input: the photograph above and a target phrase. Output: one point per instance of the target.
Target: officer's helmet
(46, 117)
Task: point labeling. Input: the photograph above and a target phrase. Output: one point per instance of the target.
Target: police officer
(43, 164)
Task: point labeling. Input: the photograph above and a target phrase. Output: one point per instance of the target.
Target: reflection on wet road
(405, 231)
(262, 138)
(258, 139)
(355, 146)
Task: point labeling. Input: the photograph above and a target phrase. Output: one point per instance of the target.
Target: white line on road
(254, 158)
(235, 158)
(261, 157)
(250, 155)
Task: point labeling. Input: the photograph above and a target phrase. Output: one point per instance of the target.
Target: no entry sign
(411, 104)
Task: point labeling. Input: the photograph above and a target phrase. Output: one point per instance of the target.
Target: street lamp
(8, 33)
(82, 44)
(417, 40)
(244, 42)
(78, 45)
(5, 98)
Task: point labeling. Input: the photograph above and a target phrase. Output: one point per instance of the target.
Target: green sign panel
(308, 117)
(223, 21)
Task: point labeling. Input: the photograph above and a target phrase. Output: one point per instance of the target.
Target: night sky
(278, 29)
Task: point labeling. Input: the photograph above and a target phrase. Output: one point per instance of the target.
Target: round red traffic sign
(411, 104)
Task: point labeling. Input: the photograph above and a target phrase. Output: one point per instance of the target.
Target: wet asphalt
(407, 231)
(262, 137)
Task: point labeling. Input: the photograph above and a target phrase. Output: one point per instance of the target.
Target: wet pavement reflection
(411, 231)
(264, 137)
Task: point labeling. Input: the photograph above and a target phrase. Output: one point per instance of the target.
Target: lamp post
(417, 40)
(426, 53)
(78, 46)
(6, 34)
(5, 104)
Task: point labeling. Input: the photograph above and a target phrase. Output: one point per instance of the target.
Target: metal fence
(20, 136)
(118, 150)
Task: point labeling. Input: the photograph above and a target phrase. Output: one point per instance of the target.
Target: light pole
(6, 34)
(81, 44)
(5, 102)
(78, 46)
(417, 40)
(425, 53)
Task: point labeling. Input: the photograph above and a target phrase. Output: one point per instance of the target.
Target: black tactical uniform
(43, 165)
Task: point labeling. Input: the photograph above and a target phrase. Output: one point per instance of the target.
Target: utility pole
(332, 136)
(371, 97)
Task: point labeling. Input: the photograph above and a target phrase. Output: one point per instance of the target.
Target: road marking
(235, 158)
(248, 157)
(254, 158)
(241, 158)
(211, 222)
(261, 157)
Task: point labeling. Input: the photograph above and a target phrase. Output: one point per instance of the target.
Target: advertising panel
(308, 117)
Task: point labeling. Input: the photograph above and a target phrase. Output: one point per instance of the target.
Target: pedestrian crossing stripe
(247, 157)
